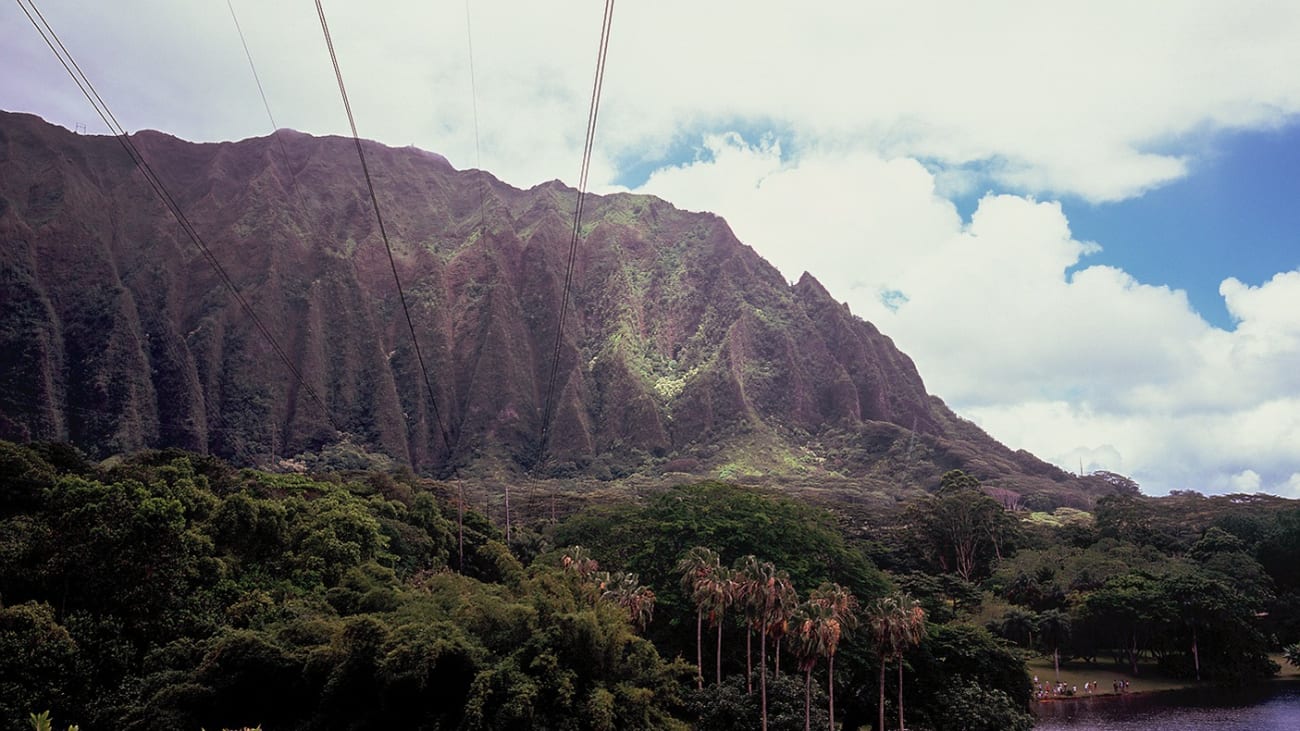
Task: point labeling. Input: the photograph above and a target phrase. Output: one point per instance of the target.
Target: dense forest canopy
(169, 590)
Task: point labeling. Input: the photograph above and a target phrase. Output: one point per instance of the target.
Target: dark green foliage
(39, 664)
(731, 708)
(734, 521)
(139, 598)
(970, 706)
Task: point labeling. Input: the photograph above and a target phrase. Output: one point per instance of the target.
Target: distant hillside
(685, 351)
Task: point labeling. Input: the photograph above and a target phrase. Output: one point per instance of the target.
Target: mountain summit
(683, 349)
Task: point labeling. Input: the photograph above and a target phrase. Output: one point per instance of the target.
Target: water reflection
(1270, 707)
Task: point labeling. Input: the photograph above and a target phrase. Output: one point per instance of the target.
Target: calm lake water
(1270, 707)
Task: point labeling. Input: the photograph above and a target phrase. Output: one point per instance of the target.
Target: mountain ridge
(683, 346)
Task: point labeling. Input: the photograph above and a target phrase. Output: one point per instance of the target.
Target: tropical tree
(962, 527)
(1292, 653)
(720, 595)
(843, 608)
(762, 585)
(749, 583)
(897, 622)
(785, 601)
(1054, 627)
(578, 560)
(625, 590)
(698, 568)
(813, 631)
(1019, 626)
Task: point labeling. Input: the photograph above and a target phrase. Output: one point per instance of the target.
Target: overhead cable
(383, 232)
(88, 90)
(592, 112)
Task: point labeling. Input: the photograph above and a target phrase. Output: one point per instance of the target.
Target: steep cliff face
(116, 334)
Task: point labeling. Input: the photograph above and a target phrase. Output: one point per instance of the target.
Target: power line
(592, 111)
(383, 232)
(478, 155)
(256, 78)
(101, 108)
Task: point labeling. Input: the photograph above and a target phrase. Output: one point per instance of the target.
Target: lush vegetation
(170, 591)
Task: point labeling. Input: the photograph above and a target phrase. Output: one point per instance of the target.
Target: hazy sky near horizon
(1082, 220)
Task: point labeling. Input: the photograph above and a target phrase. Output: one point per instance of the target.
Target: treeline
(1204, 588)
(170, 591)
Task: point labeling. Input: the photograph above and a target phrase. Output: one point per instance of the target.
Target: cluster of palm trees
(618, 587)
(811, 630)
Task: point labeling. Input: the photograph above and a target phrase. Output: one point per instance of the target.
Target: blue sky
(1237, 213)
(1076, 218)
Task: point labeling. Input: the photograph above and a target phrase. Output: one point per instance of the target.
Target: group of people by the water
(1046, 689)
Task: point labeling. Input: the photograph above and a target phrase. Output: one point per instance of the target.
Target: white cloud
(1291, 488)
(1083, 98)
(1245, 481)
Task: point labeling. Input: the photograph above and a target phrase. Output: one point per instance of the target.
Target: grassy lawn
(1148, 679)
(1076, 673)
(1289, 672)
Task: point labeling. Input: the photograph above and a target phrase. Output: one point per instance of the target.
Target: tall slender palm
(843, 607)
(760, 580)
(813, 631)
(785, 600)
(721, 594)
(897, 622)
(697, 568)
(748, 585)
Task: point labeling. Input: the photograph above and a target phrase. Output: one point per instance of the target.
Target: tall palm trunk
(1056, 662)
(1196, 655)
(749, 660)
(762, 674)
(1133, 653)
(881, 725)
(719, 669)
(777, 672)
(830, 686)
(807, 699)
(901, 727)
(699, 651)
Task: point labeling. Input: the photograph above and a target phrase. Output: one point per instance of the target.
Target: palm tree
(785, 601)
(697, 568)
(579, 561)
(897, 623)
(720, 591)
(759, 582)
(1019, 625)
(843, 607)
(813, 631)
(625, 590)
(748, 584)
(1054, 628)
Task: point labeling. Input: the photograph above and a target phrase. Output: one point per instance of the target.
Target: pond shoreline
(1190, 685)
(1266, 705)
